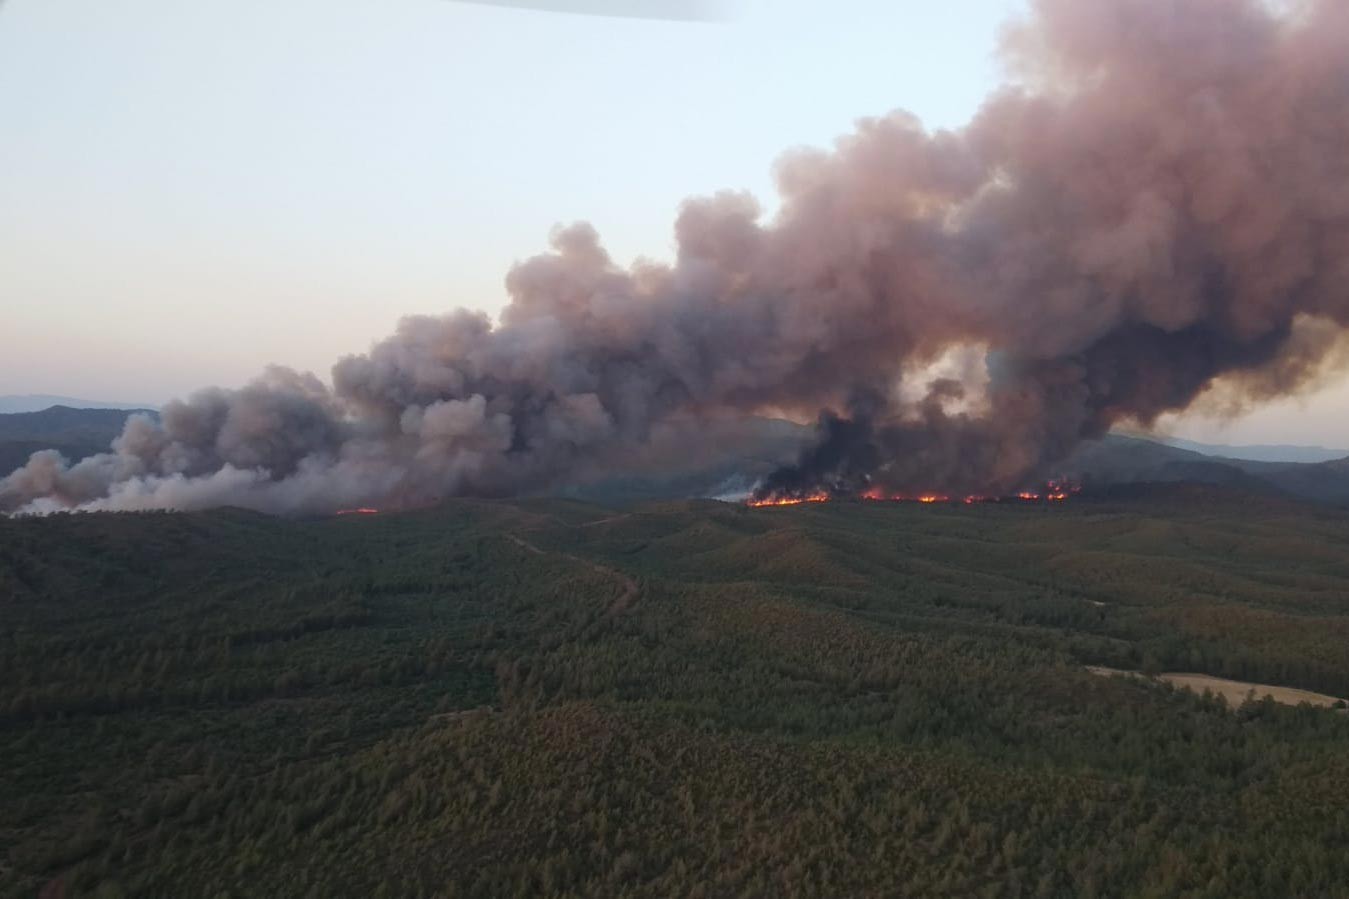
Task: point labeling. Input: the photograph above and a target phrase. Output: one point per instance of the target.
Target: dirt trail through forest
(610, 520)
(630, 589)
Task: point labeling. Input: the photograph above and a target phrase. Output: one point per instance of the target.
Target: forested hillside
(548, 698)
(1118, 459)
(74, 433)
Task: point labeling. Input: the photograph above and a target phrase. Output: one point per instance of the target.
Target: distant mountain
(725, 459)
(75, 433)
(36, 402)
(738, 457)
(1260, 452)
(1118, 459)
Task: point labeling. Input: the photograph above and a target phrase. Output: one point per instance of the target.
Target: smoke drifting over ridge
(1158, 199)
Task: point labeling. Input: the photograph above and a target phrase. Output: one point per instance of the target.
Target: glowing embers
(1053, 491)
(790, 500)
(878, 495)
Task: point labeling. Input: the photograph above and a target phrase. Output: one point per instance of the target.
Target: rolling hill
(726, 459)
(36, 402)
(552, 698)
(1260, 452)
(1123, 460)
(75, 433)
(1115, 459)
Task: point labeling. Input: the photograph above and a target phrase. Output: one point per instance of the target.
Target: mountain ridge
(73, 432)
(737, 455)
(17, 403)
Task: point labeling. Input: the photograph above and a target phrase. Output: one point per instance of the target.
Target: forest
(554, 698)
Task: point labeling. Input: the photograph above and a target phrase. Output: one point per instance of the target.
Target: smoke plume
(1155, 201)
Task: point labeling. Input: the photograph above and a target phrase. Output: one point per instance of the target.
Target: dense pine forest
(550, 698)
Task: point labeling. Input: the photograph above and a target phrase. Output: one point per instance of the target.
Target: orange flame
(362, 511)
(876, 494)
(789, 500)
(1055, 491)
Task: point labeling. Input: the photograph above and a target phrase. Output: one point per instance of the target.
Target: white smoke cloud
(1157, 202)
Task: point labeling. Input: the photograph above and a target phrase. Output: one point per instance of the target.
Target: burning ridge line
(1054, 491)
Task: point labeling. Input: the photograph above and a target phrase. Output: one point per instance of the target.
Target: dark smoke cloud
(1156, 201)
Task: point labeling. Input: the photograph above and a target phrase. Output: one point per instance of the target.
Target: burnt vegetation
(548, 698)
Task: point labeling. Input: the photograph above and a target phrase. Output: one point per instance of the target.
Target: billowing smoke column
(1157, 199)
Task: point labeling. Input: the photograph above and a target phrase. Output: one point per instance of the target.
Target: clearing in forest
(1233, 691)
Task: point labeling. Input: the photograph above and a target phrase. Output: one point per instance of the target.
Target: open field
(1236, 692)
(549, 698)
(1233, 692)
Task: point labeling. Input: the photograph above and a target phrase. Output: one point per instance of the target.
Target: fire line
(1054, 491)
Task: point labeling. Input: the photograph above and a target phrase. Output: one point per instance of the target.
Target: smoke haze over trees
(1157, 199)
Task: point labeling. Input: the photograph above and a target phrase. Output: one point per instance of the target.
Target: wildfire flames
(361, 511)
(1053, 491)
(790, 500)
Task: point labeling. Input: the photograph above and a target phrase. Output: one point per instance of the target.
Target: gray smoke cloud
(1155, 201)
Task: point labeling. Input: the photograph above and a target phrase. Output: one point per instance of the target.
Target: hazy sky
(191, 190)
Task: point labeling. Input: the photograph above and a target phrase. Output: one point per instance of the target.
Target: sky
(191, 191)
